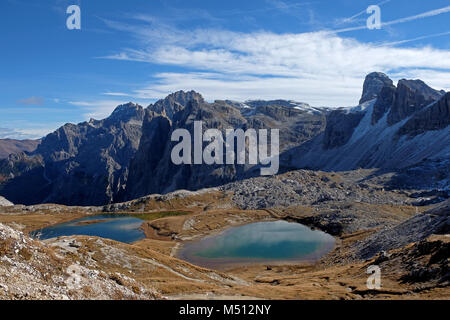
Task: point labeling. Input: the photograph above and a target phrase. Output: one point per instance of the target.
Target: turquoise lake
(262, 242)
(115, 227)
(256, 243)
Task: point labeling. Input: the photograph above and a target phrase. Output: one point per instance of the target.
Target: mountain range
(402, 129)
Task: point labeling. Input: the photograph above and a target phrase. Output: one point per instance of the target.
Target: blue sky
(141, 50)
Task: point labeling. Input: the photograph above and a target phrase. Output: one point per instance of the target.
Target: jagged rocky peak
(420, 87)
(411, 96)
(373, 84)
(175, 102)
(436, 117)
(127, 112)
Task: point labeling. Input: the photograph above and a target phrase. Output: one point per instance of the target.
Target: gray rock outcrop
(419, 227)
(5, 203)
(373, 84)
(411, 96)
(340, 128)
(435, 117)
(152, 171)
(402, 127)
(128, 154)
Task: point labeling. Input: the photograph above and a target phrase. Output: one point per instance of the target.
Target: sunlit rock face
(373, 84)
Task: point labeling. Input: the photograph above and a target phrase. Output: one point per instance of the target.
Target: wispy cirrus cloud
(423, 15)
(353, 18)
(116, 94)
(428, 36)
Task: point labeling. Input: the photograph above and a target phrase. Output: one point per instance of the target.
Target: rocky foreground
(393, 229)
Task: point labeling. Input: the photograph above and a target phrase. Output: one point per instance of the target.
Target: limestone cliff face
(411, 96)
(383, 103)
(401, 102)
(401, 127)
(175, 102)
(152, 171)
(435, 117)
(341, 124)
(155, 134)
(127, 155)
(340, 128)
(373, 84)
(159, 174)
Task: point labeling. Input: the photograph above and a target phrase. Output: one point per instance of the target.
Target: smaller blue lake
(262, 242)
(115, 227)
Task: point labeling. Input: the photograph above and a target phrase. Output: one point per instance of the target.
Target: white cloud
(434, 35)
(423, 15)
(97, 109)
(318, 68)
(7, 133)
(116, 94)
(321, 68)
(320, 91)
(352, 18)
(34, 131)
(427, 14)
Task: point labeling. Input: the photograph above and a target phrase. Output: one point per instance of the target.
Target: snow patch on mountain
(360, 108)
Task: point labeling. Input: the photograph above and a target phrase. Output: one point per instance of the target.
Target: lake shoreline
(186, 252)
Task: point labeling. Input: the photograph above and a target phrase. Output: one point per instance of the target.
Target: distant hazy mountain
(10, 146)
(127, 155)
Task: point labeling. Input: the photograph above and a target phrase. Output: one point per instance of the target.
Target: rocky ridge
(127, 155)
(399, 127)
